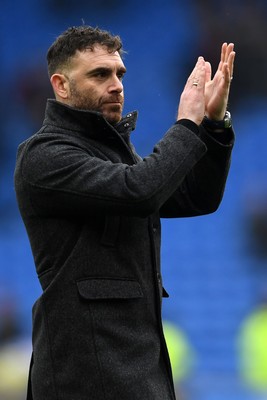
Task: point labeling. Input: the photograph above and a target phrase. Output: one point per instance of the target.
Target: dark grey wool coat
(92, 211)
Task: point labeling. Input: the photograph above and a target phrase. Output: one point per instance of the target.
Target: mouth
(113, 102)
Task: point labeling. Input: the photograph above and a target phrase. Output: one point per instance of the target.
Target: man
(92, 209)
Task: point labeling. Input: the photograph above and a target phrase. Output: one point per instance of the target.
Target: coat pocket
(109, 288)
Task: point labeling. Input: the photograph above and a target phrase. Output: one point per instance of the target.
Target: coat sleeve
(61, 177)
(202, 189)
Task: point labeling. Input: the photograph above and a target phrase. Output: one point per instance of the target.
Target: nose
(115, 85)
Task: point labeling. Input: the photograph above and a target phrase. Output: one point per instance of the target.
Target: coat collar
(89, 123)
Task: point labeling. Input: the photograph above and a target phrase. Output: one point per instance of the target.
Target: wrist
(215, 125)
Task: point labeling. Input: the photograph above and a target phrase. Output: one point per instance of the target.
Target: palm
(217, 89)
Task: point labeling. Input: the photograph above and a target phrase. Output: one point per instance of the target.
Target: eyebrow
(104, 69)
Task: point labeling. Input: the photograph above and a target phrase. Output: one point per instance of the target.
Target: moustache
(113, 99)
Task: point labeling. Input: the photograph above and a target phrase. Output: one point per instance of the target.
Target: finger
(198, 80)
(195, 69)
(227, 56)
(229, 49)
(208, 71)
(223, 56)
(196, 73)
(223, 52)
(227, 77)
(231, 63)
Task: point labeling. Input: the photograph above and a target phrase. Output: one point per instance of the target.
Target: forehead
(98, 56)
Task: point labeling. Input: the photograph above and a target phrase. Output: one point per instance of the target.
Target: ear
(60, 85)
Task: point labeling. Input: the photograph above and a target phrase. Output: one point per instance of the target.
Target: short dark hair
(79, 38)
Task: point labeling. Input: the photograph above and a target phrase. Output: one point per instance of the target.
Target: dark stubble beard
(84, 102)
(81, 101)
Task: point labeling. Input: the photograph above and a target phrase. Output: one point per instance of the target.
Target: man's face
(95, 82)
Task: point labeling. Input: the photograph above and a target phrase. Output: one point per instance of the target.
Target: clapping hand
(217, 89)
(203, 95)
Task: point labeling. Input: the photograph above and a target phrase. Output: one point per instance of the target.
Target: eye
(101, 74)
(120, 75)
